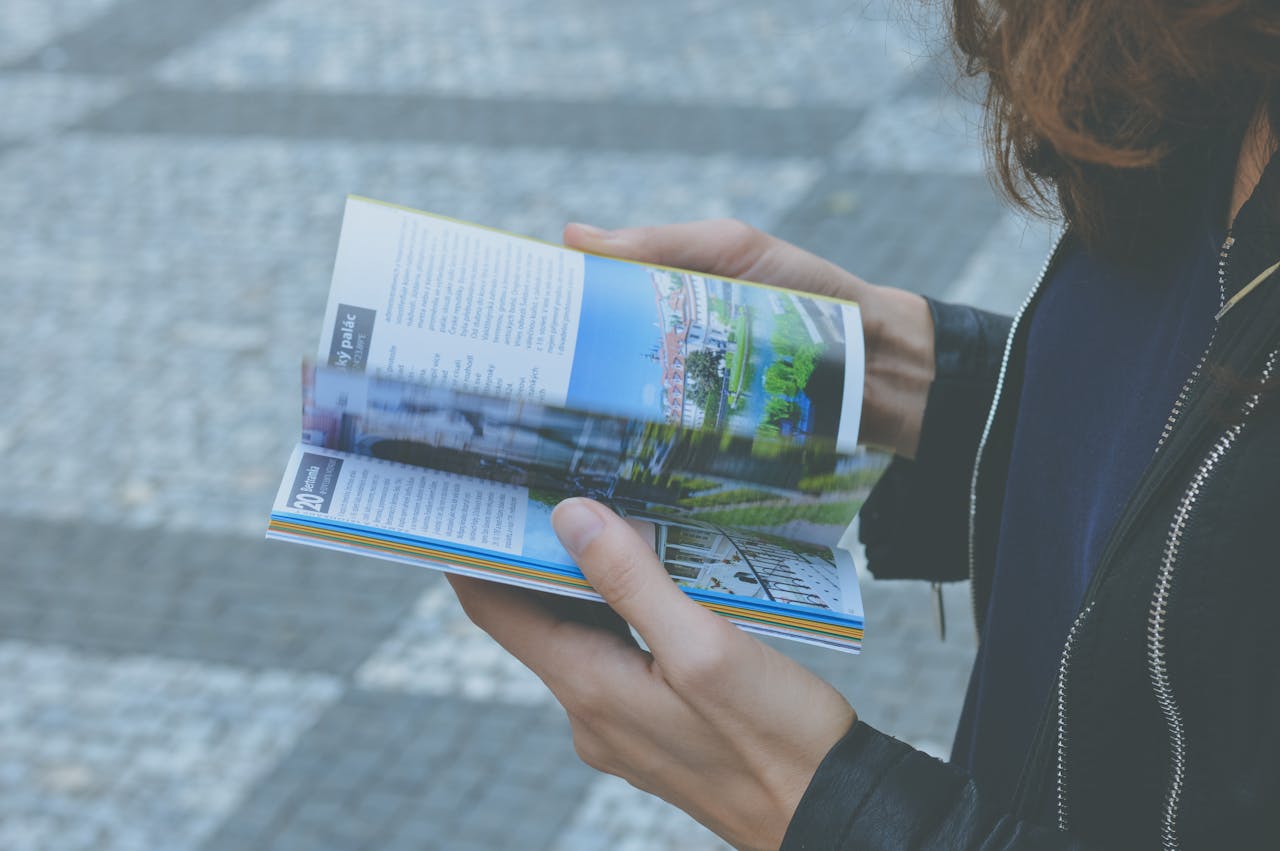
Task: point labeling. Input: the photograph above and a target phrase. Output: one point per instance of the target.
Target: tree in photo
(786, 379)
(780, 380)
(703, 371)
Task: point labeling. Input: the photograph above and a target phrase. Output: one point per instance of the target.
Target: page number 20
(308, 501)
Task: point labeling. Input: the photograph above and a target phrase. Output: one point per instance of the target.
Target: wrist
(899, 341)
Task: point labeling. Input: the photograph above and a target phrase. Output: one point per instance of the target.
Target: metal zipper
(991, 416)
(1064, 670)
(1224, 254)
(1179, 405)
(1157, 621)
(1174, 416)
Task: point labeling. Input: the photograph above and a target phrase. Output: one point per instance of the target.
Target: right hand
(897, 325)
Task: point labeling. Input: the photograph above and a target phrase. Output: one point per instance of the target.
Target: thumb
(622, 566)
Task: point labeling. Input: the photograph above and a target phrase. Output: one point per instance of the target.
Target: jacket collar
(1257, 233)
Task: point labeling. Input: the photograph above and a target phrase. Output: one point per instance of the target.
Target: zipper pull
(942, 612)
(1245, 290)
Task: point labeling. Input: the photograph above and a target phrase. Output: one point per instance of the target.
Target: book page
(431, 300)
(744, 563)
(435, 301)
(444, 507)
(364, 495)
(806, 491)
(704, 352)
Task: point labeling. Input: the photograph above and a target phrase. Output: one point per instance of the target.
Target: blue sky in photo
(540, 541)
(617, 327)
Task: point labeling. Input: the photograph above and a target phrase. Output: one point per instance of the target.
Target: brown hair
(1111, 111)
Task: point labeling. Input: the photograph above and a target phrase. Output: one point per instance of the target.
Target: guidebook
(467, 380)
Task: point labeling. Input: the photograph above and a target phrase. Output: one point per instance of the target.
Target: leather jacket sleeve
(932, 491)
(875, 792)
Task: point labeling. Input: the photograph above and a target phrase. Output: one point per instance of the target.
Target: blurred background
(172, 173)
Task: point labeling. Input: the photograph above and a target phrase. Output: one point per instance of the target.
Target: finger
(514, 618)
(623, 568)
(724, 247)
(526, 626)
(721, 246)
(591, 613)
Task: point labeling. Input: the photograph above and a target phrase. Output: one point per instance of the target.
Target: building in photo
(694, 315)
(702, 555)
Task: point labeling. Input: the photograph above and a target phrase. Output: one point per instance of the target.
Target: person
(1105, 470)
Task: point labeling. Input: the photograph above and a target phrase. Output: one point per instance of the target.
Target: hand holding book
(709, 719)
(712, 721)
(897, 328)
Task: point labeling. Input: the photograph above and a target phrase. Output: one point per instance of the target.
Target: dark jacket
(1163, 729)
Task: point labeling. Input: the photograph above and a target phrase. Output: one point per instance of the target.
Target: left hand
(711, 720)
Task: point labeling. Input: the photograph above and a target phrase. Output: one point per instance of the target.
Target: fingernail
(593, 231)
(576, 524)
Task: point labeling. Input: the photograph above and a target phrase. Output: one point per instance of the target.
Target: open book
(467, 380)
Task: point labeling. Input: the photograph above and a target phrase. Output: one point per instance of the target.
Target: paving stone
(935, 73)
(885, 226)
(39, 103)
(614, 814)
(410, 840)
(26, 25)
(437, 650)
(916, 134)
(722, 51)
(380, 806)
(130, 35)
(137, 595)
(460, 793)
(114, 753)
(629, 125)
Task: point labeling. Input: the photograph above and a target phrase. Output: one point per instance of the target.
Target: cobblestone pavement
(173, 174)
